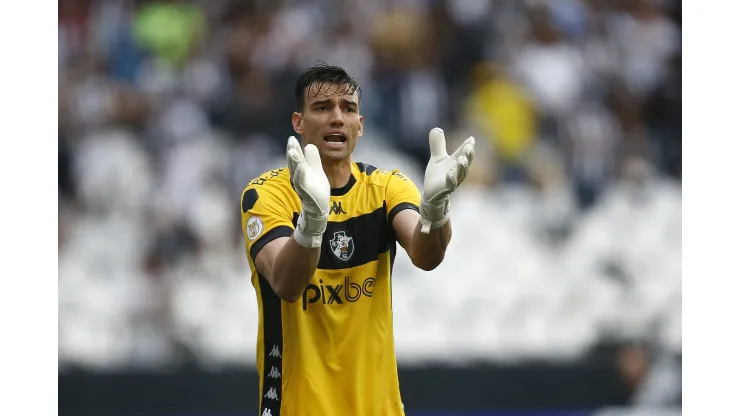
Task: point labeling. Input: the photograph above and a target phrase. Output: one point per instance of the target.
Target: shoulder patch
(249, 199)
(254, 228)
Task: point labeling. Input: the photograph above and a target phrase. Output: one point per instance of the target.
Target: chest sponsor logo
(327, 294)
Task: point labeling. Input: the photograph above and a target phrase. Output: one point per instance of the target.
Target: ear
(297, 120)
(359, 133)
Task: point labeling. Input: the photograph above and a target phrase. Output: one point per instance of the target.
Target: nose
(337, 117)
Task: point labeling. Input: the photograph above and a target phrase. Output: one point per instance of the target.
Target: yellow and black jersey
(332, 351)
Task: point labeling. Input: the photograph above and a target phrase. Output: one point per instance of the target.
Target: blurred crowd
(167, 108)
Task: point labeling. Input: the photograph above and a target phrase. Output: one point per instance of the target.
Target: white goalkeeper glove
(443, 175)
(312, 186)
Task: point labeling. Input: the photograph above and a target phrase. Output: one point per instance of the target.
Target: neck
(338, 173)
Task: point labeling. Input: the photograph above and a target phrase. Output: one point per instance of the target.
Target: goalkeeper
(321, 237)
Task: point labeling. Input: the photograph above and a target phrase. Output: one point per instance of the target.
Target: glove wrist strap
(434, 215)
(309, 231)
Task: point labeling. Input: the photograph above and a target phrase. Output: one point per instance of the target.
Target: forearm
(428, 250)
(296, 262)
(293, 268)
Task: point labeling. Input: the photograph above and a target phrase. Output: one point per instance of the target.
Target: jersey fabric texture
(332, 351)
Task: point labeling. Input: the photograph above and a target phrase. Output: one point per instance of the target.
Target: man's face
(330, 120)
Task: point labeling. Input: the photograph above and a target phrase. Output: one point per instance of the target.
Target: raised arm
(426, 234)
(287, 258)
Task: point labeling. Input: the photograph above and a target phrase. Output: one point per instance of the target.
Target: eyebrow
(328, 101)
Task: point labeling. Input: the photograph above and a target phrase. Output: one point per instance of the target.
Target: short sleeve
(400, 194)
(265, 217)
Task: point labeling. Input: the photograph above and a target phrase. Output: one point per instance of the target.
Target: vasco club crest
(342, 246)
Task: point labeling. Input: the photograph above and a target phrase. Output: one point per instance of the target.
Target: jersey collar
(350, 183)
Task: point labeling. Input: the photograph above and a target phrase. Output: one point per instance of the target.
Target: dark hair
(322, 74)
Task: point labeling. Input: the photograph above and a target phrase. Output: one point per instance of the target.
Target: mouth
(335, 139)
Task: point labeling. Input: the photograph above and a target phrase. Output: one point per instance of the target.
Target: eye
(350, 110)
(321, 108)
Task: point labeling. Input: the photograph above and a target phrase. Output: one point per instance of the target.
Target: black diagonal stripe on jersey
(272, 331)
(370, 237)
(249, 198)
(393, 245)
(365, 168)
(279, 231)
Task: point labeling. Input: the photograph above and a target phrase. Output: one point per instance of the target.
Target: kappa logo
(267, 412)
(336, 208)
(272, 394)
(254, 228)
(342, 246)
(275, 352)
(274, 373)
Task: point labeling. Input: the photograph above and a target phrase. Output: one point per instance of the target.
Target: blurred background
(561, 292)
